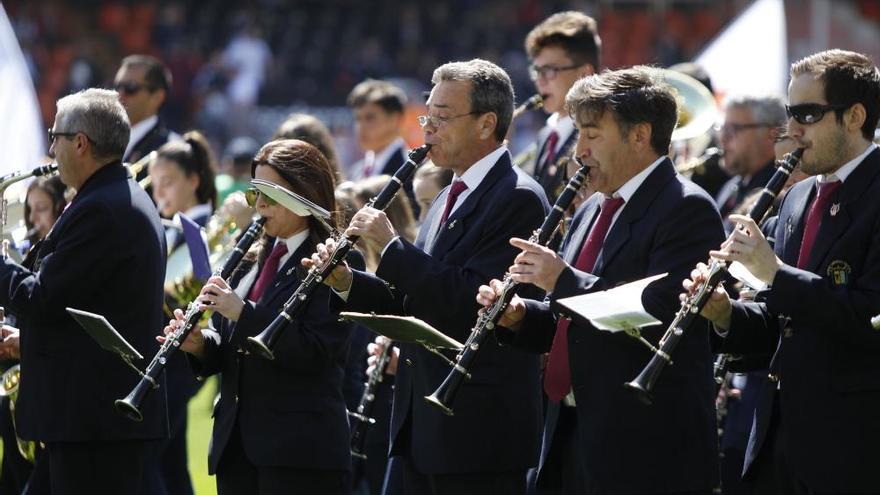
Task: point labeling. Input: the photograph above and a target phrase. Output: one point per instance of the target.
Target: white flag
(750, 56)
(22, 134)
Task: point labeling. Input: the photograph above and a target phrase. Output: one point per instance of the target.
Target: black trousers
(236, 475)
(96, 468)
(416, 483)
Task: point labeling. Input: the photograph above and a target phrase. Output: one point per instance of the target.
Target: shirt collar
(473, 176)
(196, 211)
(295, 241)
(139, 130)
(843, 172)
(627, 190)
(383, 156)
(563, 124)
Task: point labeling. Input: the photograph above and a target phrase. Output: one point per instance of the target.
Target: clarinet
(488, 319)
(691, 307)
(263, 343)
(131, 404)
(364, 413)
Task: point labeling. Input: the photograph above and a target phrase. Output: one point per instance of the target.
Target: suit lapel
(449, 234)
(635, 209)
(837, 219)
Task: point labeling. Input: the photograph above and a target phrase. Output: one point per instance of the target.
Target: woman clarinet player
(280, 426)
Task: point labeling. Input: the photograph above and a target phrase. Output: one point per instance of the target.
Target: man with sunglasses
(105, 254)
(563, 48)
(751, 125)
(143, 84)
(493, 437)
(816, 429)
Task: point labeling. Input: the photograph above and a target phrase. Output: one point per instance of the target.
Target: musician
(486, 447)
(814, 429)
(428, 181)
(106, 242)
(43, 203)
(144, 83)
(562, 49)
(310, 129)
(378, 108)
(597, 433)
(751, 125)
(280, 426)
(182, 178)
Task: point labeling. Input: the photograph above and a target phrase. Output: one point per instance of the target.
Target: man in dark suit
(378, 108)
(492, 439)
(143, 83)
(647, 220)
(751, 126)
(816, 428)
(106, 243)
(563, 48)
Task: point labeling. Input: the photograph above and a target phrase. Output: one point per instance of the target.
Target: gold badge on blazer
(839, 271)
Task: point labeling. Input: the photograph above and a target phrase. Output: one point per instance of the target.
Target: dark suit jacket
(152, 140)
(497, 419)
(826, 357)
(668, 225)
(106, 254)
(554, 177)
(290, 411)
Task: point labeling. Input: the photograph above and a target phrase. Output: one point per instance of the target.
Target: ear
(158, 97)
(586, 70)
(487, 124)
(854, 117)
(82, 145)
(640, 135)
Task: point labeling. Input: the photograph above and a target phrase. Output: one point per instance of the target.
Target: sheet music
(616, 309)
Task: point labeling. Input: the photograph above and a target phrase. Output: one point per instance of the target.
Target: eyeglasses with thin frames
(439, 122)
(548, 72)
(55, 135)
(731, 129)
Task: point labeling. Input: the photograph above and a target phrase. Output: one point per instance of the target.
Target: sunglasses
(810, 113)
(252, 193)
(130, 87)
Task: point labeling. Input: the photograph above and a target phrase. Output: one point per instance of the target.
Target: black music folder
(104, 334)
(404, 329)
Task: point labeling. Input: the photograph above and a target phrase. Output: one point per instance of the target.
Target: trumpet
(131, 404)
(364, 413)
(262, 344)
(691, 307)
(488, 319)
(137, 167)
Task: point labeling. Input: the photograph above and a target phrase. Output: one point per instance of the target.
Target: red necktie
(814, 219)
(455, 190)
(550, 152)
(369, 164)
(557, 378)
(270, 268)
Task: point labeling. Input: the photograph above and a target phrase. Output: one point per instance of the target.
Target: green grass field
(198, 436)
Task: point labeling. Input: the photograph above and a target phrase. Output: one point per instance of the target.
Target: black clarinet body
(363, 416)
(691, 307)
(130, 405)
(263, 343)
(488, 319)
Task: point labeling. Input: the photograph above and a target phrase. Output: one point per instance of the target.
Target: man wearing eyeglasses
(493, 437)
(106, 255)
(563, 48)
(816, 429)
(143, 84)
(751, 125)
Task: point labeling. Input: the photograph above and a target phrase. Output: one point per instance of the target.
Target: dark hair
(382, 93)
(633, 96)
(156, 76)
(311, 130)
(53, 187)
(193, 155)
(491, 89)
(574, 32)
(307, 172)
(849, 78)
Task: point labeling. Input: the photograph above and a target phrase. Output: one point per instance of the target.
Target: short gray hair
(491, 89)
(98, 114)
(766, 109)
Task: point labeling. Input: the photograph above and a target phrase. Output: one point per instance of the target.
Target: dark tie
(557, 378)
(455, 190)
(270, 268)
(549, 152)
(820, 204)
